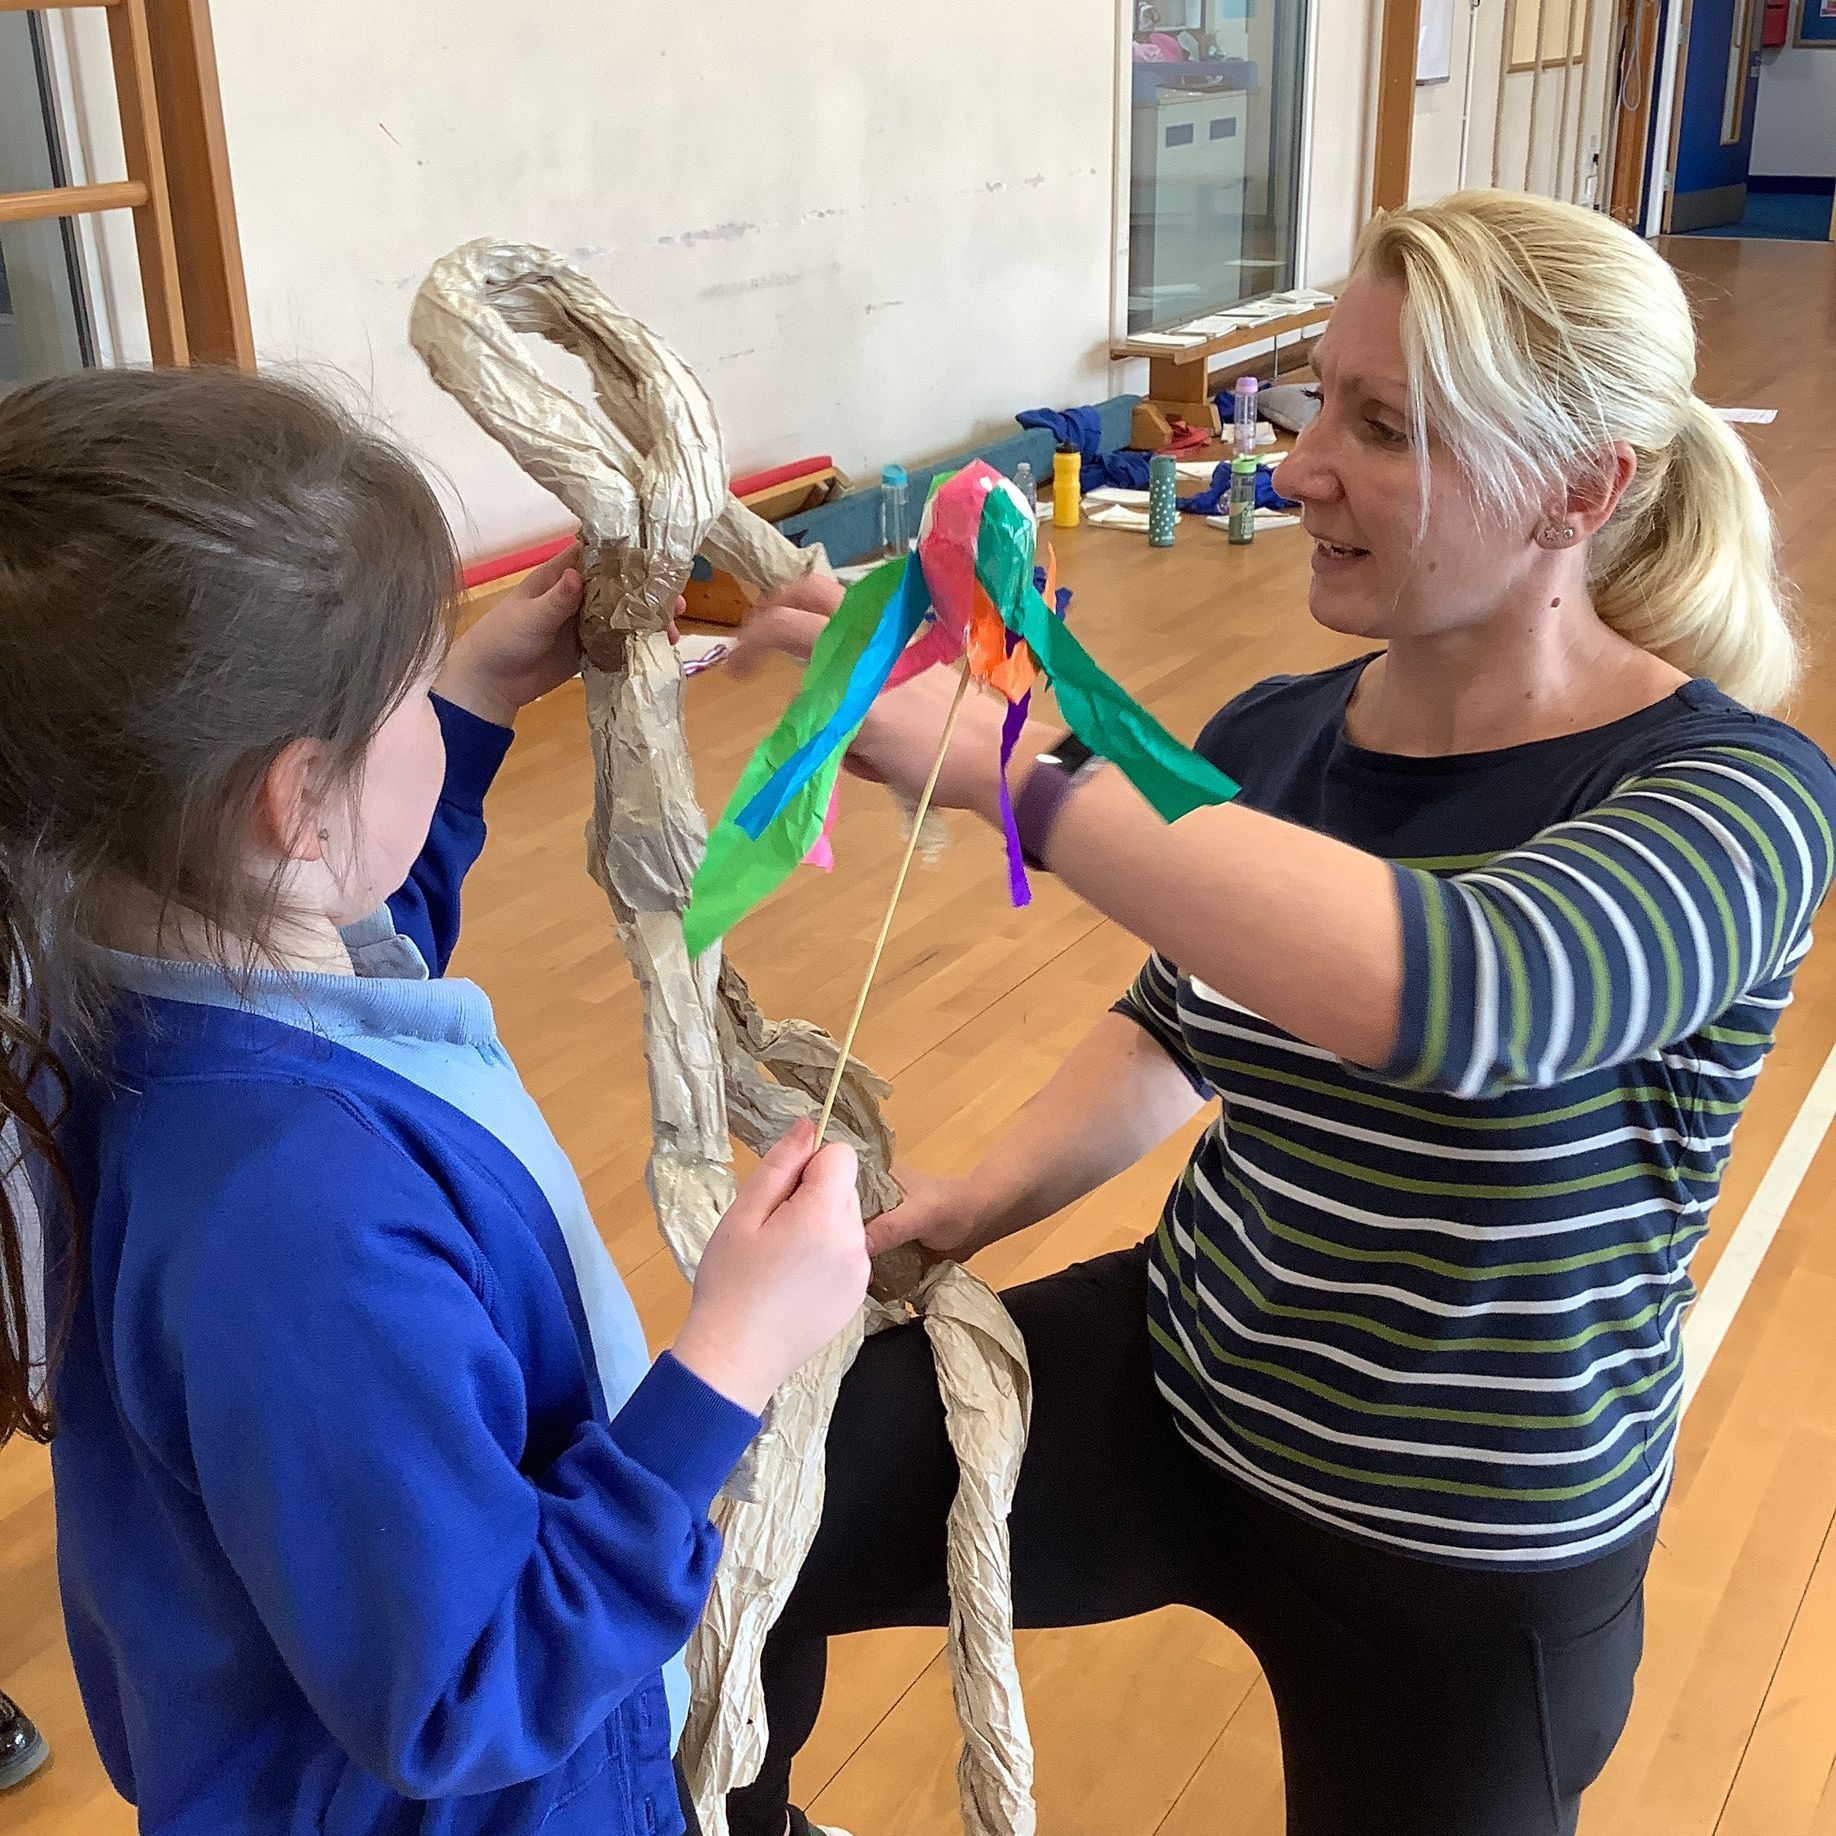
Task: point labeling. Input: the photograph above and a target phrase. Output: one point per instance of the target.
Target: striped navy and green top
(1438, 1305)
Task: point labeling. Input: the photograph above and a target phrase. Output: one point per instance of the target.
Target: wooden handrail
(1392, 149)
(69, 200)
(131, 49)
(214, 294)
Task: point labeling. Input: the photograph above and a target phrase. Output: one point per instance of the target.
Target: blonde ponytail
(1686, 568)
(1538, 336)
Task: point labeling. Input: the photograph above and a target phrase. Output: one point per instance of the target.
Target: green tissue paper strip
(738, 872)
(1109, 720)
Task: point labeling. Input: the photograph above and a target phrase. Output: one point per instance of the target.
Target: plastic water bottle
(1028, 486)
(1067, 491)
(1244, 419)
(895, 530)
(1242, 519)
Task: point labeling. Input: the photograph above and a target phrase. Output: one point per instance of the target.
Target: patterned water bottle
(1163, 500)
(1241, 526)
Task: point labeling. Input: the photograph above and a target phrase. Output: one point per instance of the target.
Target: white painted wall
(1794, 129)
(1434, 153)
(874, 231)
(1344, 124)
(871, 230)
(1500, 137)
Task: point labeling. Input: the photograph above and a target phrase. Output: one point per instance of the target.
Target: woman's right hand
(783, 1273)
(897, 742)
(945, 1216)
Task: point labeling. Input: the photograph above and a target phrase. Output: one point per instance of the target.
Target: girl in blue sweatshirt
(374, 1514)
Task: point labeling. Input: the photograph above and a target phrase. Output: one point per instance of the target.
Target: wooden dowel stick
(892, 905)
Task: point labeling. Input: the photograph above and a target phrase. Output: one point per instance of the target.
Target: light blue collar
(391, 996)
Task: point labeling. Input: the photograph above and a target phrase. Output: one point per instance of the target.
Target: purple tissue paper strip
(1019, 887)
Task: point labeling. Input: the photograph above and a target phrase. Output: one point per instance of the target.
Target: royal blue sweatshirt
(366, 1520)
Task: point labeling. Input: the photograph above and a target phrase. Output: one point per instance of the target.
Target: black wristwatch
(1056, 773)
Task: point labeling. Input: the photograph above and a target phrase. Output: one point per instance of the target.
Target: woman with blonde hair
(1478, 973)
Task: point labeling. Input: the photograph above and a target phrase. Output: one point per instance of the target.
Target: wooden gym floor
(1161, 1724)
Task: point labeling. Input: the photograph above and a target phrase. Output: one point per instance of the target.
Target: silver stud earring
(1557, 538)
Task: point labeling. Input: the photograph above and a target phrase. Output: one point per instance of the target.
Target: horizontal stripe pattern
(1439, 1306)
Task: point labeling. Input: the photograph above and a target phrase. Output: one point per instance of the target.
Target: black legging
(1413, 1697)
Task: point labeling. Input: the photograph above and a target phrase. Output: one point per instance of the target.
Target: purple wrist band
(1042, 798)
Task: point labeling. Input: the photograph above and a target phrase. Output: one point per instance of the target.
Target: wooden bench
(1179, 377)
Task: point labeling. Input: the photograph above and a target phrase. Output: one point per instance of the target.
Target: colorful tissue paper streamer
(822, 855)
(788, 786)
(972, 586)
(832, 703)
(1019, 887)
(1171, 776)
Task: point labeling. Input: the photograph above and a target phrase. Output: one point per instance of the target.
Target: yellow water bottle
(1067, 493)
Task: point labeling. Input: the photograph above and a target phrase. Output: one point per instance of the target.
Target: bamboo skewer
(892, 905)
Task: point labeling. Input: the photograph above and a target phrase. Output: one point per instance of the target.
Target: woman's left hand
(898, 741)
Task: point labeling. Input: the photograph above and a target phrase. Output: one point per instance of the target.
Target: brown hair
(197, 568)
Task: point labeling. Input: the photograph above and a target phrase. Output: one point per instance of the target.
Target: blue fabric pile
(1215, 498)
(1079, 427)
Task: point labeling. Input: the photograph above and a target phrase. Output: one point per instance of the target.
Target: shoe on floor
(800, 1825)
(22, 1747)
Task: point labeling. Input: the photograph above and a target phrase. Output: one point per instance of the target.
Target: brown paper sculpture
(643, 469)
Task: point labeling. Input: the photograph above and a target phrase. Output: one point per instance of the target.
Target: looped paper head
(949, 538)
(964, 548)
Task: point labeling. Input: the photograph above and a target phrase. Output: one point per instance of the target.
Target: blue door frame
(1709, 179)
